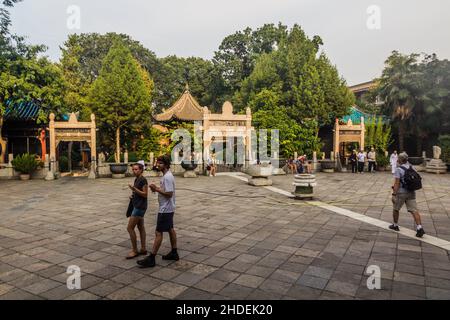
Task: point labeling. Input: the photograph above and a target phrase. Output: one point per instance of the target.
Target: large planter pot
(24, 177)
(327, 165)
(415, 161)
(118, 170)
(448, 166)
(189, 165)
(381, 168)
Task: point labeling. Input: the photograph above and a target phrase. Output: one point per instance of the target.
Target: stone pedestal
(260, 175)
(190, 174)
(304, 186)
(260, 182)
(118, 175)
(436, 166)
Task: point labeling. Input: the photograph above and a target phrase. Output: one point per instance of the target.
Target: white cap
(142, 162)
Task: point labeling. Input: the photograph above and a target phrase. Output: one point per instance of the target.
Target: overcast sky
(196, 27)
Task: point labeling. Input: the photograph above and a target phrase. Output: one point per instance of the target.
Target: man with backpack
(407, 181)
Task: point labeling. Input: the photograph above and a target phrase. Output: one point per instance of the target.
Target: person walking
(393, 160)
(372, 159)
(361, 161)
(354, 161)
(406, 182)
(166, 210)
(139, 202)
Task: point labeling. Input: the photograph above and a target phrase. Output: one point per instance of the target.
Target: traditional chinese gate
(72, 130)
(347, 133)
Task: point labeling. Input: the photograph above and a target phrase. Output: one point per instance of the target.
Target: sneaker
(393, 227)
(148, 262)
(420, 233)
(171, 256)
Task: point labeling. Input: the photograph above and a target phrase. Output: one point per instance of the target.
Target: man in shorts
(401, 196)
(166, 199)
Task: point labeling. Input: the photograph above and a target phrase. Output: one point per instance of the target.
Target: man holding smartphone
(166, 200)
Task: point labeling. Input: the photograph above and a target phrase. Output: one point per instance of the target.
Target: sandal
(135, 255)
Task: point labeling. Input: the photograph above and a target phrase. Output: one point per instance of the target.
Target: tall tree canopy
(305, 83)
(415, 91)
(24, 74)
(121, 94)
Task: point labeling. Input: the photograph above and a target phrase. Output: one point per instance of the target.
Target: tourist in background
(354, 161)
(139, 202)
(393, 160)
(372, 159)
(404, 192)
(299, 165)
(166, 211)
(361, 161)
(291, 165)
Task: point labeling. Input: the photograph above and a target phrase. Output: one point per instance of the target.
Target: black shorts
(165, 222)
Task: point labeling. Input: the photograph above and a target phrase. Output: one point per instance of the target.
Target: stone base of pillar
(190, 174)
(259, 182)
(328, 170)
(118, 175)
(92, 175)
(50, 176)
(436, 166)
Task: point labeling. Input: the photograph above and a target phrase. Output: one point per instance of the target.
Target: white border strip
(441, 243)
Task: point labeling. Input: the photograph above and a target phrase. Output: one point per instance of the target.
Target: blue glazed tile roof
(356, 114)
(25, 110)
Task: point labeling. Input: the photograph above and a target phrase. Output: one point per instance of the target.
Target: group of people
(358, 161)
(166, 209)
(299, 165)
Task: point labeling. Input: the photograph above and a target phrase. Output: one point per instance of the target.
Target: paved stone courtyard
(235, 241)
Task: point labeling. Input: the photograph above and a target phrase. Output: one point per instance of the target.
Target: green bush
(444, 143)
(26, 163)
(382, 160)
(63, 164)
(132, 157)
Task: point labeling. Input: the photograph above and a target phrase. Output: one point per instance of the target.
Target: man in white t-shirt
(361, 160)
(166, 211)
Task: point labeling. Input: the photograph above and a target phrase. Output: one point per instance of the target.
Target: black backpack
(411, 181)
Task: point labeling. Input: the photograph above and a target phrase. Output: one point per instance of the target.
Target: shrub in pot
(26, 164)
(382, 162)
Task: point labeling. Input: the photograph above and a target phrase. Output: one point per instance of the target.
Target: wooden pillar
(52, 142)
(43, 144)
(93, 139)
(363, 133)
(2, 144)
(336, 136)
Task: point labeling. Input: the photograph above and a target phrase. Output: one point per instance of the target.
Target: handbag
(130, 208)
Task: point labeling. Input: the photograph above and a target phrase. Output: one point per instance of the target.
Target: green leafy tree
(307, 86)
(120, 95)
(378, 135)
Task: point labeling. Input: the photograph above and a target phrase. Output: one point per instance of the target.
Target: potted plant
(26, 164)
(382, 162)
(327, 165)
